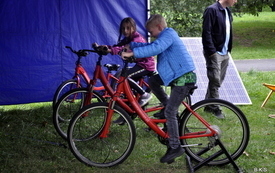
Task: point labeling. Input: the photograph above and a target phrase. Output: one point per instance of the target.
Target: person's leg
(178, 93)
(213, 74)
(224, 65)
(216, 70)
(135, 73)
(155, 83)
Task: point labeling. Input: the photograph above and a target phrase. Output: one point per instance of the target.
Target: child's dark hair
(132, 23)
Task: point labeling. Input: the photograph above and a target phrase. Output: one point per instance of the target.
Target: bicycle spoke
(90, 148)
(67, 106)
(233, 133)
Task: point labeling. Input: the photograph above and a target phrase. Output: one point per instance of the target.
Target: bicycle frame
(191, 126)
(124, 87)
(81, 72)
(109, 92)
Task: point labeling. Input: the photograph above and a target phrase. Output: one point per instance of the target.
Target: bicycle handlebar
(100, 50)
(84, 52)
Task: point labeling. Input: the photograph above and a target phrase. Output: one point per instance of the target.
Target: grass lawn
(254, 36)
(29, 142)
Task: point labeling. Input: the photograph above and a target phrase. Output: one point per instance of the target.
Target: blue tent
(33, 36)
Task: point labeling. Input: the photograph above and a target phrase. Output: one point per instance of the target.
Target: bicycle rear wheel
(233, 132)
(92, 150)
(68, 105)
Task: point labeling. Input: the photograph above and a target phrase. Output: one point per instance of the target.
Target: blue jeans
(178, 94)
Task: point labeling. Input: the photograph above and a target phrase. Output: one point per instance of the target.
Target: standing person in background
(217, 44)
(175, 67)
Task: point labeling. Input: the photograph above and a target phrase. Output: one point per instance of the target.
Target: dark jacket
(214, 30)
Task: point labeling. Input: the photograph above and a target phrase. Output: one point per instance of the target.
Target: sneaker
(160, 114)
(217, 112)
(171, 154)
(144, 99)
(119, 121)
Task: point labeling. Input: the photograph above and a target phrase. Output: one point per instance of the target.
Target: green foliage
(184, 16)
(254, 6)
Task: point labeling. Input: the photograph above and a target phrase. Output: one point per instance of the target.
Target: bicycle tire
(68, 105)
(92, 150)
(188, 100)
(63, 88)
(234, 130)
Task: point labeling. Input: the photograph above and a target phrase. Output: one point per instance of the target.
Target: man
(217, 43)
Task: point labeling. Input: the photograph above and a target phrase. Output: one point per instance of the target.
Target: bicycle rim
(63, 88)
(234, 130)
(89, 148)
(67, 106)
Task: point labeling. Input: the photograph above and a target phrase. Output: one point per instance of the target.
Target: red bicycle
(96, 141)
(81, 77)
(75, 99)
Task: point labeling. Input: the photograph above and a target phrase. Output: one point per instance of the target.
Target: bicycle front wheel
(86, 145)
(68, 105)
(233, 132)
(63, 88)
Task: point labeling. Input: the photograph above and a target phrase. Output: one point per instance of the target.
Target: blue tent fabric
(33, 36)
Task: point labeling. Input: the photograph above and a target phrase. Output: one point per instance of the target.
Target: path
(255, 64)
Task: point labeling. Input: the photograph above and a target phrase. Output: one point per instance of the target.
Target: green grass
(29, 142)
(254, 36)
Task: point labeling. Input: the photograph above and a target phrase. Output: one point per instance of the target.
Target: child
(143, 66)
(175, 67)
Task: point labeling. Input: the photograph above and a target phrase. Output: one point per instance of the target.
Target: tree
(182, 15)
(253, 6)
(185, 16)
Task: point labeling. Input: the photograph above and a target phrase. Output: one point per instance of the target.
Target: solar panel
(232, 88)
